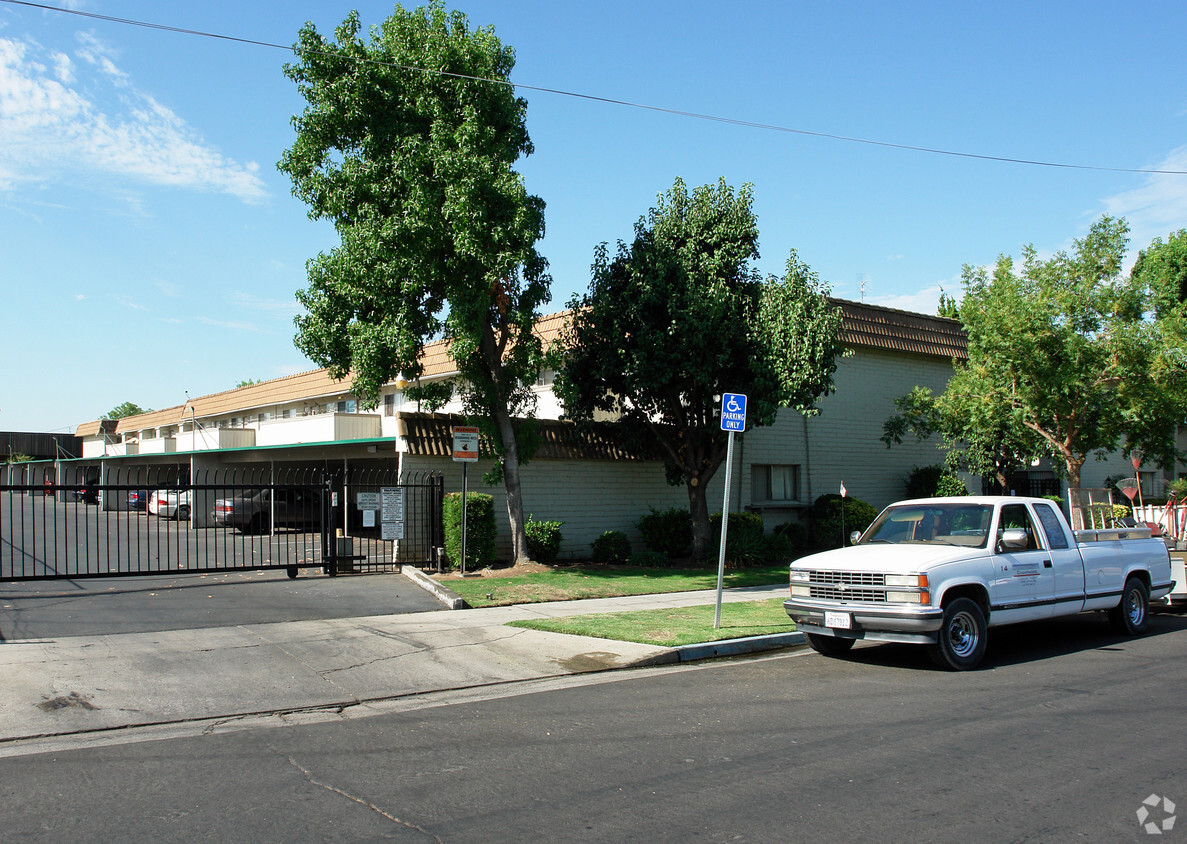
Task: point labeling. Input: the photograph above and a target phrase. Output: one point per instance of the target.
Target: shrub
(667, 531)
(827, 520)
(779, 548)
(649, 559)
(950, 485)
(923, 481)
(744, 541)
(934, 482)
(796, 533)
(480, 529)
(613, 546)
(544, 539)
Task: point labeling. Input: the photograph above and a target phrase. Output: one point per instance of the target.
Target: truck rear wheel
(963, 636)
(1130, 617)
(828, 645)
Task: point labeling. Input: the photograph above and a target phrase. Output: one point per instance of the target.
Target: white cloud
(1155, 208)
(924, 301)
(50, 129)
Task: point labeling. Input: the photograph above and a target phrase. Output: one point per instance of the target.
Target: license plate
(838, 620)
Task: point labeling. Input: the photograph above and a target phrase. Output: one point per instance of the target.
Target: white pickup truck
(941, 571)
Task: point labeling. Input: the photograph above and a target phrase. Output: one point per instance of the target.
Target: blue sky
(149, 247)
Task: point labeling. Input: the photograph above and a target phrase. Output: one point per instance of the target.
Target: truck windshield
(965, 525)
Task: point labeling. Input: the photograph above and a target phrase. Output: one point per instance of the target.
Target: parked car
(258, 511)
(170, 504)
(138, 499)
(88, 491)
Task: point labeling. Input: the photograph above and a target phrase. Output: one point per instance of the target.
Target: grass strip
(576, 582)
(672, 627)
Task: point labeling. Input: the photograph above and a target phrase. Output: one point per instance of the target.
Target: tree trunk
(698, 508)
(519, 539)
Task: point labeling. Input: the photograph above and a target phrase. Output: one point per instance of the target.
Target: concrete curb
(442, 593)
(738, 647)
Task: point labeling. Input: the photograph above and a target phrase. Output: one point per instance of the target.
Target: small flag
(844, 491)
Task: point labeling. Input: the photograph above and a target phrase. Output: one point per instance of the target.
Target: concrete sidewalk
(61, 687)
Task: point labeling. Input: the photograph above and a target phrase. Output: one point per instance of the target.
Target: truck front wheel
(828, 645)
(1130, 617)
(962, 638)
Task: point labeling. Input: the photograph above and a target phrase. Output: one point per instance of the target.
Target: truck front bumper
(880, 623)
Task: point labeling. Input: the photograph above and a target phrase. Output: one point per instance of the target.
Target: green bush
(795, 533)
(480, 530)
(827, 520)
(667, 531)
(544, 540)
(950, 485)
(744, 541)
(779, 549)
(649, 559)
(934, 482)
(923, 481)
(613, 546)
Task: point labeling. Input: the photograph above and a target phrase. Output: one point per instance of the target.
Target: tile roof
(878, 327)
(863, 326)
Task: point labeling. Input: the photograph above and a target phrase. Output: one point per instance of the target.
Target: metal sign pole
(725, 521)
(465, 476)
(733, 418)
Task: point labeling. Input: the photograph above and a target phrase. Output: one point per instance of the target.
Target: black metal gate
(147, 521)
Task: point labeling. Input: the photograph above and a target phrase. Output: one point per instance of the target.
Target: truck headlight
(801, 591)
(800, 575)
(905, 597)
(917, 580)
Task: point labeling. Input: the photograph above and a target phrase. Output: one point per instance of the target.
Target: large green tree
(407, 145)
(1162, 267)
(680, 316)
(125, 409)
(1066, 360)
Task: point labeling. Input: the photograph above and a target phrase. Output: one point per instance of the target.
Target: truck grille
(848, 586)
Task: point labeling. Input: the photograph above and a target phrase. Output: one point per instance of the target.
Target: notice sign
(392, 512)
(465, 444)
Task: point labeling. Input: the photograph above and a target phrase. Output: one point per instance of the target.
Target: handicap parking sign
(733, 412)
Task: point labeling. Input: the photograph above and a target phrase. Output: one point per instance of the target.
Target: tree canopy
(1065, 361)
(407, 144)
(681, 316)
(125, 409)
(1162, 267)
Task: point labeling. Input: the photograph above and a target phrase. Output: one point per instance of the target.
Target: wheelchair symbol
(733, 406)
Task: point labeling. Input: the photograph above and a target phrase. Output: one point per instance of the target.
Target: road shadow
(1029, 642)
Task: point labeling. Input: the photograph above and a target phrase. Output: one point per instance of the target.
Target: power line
(749, 124)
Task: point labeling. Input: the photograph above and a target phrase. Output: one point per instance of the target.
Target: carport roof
(429, 435)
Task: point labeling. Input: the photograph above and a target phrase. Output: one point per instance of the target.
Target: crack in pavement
(365, 803)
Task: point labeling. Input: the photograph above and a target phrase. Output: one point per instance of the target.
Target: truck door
(1024, 580)
(1065, 560)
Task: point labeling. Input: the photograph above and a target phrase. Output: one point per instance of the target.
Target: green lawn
(573, 582)
(673, 627)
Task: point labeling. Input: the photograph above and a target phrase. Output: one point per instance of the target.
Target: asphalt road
(102, 606)
(1060, 737)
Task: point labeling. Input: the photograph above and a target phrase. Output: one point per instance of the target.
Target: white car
(170, 503)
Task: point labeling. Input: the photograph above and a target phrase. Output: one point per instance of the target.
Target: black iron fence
(142, 521)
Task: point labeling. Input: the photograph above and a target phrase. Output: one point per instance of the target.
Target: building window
(775, 483)
(389, 404)
(347, 406)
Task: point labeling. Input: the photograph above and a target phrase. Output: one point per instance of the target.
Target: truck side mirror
(854, 537)
(1013, 539)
